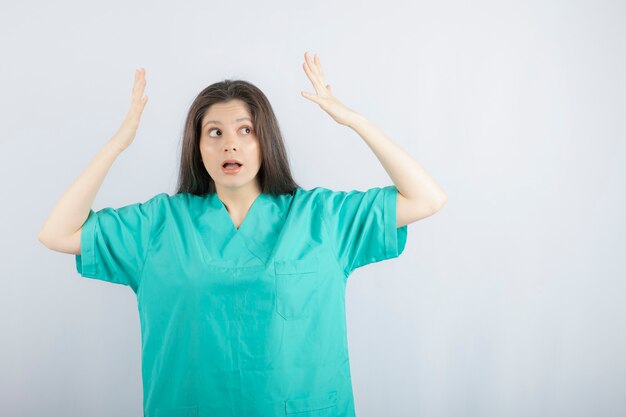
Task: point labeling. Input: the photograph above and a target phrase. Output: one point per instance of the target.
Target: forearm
(72, 209)
(411, 180)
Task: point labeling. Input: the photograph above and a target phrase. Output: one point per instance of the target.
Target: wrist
(354, 120)
(114, 148)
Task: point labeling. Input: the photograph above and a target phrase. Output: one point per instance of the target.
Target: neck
(238, 200)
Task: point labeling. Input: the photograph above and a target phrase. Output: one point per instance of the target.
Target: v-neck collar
(258, 232)
(221, 208)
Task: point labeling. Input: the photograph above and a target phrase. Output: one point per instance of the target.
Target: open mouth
(231, 165)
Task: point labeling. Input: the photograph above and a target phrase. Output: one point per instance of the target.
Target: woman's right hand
(126, 132)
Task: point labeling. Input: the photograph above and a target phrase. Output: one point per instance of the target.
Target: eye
(249, 128)
(211, 130)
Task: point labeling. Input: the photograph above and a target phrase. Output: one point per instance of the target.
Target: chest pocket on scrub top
(297, 287)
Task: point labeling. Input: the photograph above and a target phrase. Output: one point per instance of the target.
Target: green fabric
(249, 321)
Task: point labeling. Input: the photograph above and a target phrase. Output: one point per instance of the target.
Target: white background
(510, 301)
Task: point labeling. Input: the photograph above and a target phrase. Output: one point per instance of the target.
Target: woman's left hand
(337, 110)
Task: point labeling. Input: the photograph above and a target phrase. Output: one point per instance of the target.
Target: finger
(309, 64)
(309, 74)
(136, 80)
(140, 83)
(317, 84)
(307, 67)
(310, 96)
(139, 88)
(316, 68)
(319, 65)
(138, 100)
(140, 74)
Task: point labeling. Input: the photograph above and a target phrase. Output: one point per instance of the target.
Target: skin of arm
(62, 229)
(419, 195)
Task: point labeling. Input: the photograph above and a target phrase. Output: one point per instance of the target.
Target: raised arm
(62, 229)
(419, 195)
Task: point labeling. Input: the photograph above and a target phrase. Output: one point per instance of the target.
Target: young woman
(240, 276)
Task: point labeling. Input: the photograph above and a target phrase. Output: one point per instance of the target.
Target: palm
(324, 96)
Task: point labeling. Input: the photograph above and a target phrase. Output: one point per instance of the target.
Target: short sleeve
(115, 242)
(362, 226)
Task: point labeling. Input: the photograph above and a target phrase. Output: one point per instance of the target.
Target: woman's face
(226, 133)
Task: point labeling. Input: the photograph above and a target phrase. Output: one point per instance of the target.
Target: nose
(230, 143)
(230, 146)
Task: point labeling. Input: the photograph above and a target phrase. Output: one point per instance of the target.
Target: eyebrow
(217, 122)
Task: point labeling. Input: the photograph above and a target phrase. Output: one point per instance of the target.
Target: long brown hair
(274, 173)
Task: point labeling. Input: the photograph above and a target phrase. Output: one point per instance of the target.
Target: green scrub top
(246, 322)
